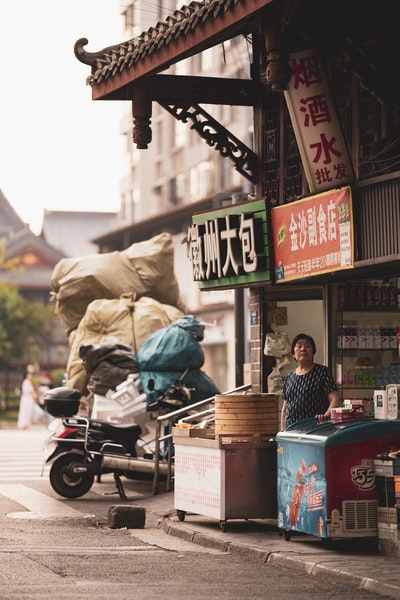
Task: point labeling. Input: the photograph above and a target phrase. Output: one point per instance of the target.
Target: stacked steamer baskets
(246, 416)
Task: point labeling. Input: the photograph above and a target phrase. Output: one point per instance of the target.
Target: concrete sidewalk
(356, 561)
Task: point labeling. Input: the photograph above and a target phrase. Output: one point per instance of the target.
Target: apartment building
(179, 170)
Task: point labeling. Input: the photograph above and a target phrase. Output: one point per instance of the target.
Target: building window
(177, 189)
(201, 180)
(180, 134)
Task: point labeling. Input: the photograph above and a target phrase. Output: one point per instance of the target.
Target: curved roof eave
(186, 32)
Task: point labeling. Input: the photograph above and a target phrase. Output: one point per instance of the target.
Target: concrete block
(131, 517)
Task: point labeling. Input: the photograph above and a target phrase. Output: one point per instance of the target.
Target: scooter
(82, 448)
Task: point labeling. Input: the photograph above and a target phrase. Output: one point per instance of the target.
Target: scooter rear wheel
(65, 480)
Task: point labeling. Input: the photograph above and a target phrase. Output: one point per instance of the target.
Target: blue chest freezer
(326, 478)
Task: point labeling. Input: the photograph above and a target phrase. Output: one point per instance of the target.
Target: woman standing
(310, 390)
(27, 402)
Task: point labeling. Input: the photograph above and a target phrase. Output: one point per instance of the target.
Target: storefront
(324, 119)
(320, 230)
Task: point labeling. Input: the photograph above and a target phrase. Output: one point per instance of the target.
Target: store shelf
(364, 366)
(355, 350)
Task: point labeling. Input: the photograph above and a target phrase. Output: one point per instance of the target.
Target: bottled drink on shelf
(384, 338)
(340, 338)
(392, 296)
(384, 299)
(392, 338)
(350, 377)
(372, 378)
(350, 338)
(346, 338)
(353, 297)
(369, 343)
(361, 337)
(376, 295)
(359, 377)
(376, 338)
(369, 297)
(361, 297)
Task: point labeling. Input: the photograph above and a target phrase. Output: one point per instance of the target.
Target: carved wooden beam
(180, 89)
(199, 90)
(243, 158)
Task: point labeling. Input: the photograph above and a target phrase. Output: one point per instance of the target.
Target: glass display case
(364, 344)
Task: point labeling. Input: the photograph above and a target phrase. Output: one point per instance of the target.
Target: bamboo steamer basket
(246, 414)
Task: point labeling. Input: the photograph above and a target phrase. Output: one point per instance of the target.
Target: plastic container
(62, 402)
(386, 402)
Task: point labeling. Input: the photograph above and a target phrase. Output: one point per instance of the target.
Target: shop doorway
(293, 317)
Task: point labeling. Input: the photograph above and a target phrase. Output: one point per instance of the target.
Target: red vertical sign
(322, 146)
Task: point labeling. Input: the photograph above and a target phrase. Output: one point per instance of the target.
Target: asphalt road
(54, 548)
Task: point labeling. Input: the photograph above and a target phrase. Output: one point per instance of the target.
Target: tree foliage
(25, 327)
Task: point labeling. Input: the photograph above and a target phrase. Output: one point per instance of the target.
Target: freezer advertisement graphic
(326, 478)
(328, 492)
(302, 489)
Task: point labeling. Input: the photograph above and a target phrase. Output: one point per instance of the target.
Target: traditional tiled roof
(24, 242)
(10, 221)
(114, 60)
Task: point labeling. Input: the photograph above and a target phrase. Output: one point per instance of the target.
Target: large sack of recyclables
(145, 269)
(130, 322)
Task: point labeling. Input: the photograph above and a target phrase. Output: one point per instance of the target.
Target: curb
(288, 561)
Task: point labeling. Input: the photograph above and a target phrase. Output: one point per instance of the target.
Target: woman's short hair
(303, 336)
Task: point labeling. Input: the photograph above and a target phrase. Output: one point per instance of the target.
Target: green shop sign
(228, 247)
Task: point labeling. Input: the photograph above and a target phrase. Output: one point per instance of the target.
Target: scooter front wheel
(69, 476)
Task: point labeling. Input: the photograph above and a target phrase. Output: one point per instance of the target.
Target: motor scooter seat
(125, 428)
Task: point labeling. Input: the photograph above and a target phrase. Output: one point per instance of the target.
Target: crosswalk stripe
(28, 470)
(22, 459)
(38, 504)
(21, 455)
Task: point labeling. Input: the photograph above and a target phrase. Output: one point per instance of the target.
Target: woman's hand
(324, 418)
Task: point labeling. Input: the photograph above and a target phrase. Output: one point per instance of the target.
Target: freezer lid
(336, 433)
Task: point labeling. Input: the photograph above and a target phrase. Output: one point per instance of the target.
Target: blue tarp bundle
(166, 355)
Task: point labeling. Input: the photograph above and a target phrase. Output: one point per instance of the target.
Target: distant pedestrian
(27, 402)
(44, 387)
